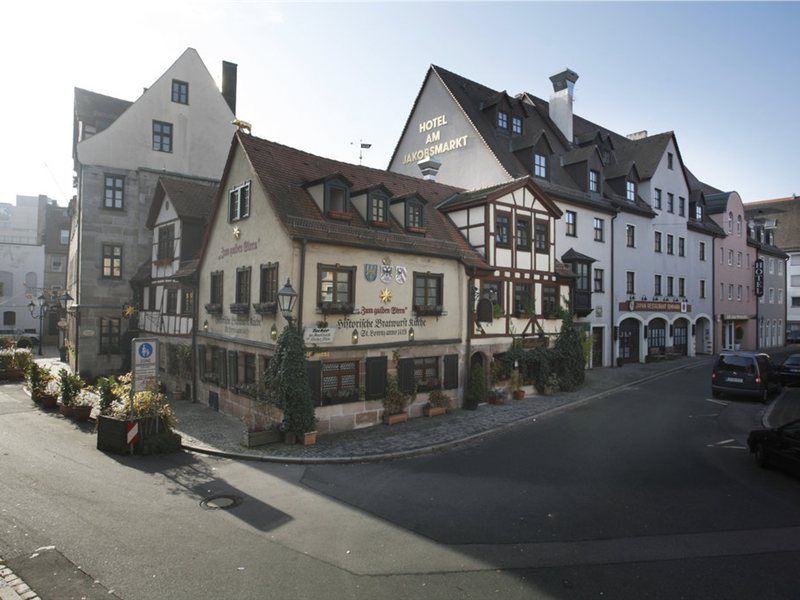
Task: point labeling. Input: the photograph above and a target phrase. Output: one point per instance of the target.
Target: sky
(323, 76)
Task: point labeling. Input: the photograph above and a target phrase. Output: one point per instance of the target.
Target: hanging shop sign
(759, 277)
(319, 335)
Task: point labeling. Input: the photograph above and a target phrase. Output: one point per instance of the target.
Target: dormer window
(594, 181)
(630, 191)
(239, 203)
(377, 209)
(540, 165)
(414, 218)
(516, 125)
(502, 119)
(698, 212)
(337, 200)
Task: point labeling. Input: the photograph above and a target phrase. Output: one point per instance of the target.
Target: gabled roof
(284, 173)
(494, 192)
(192, 198)
(91, 105)
(573, 255)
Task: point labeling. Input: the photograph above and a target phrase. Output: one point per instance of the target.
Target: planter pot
(394, 419)
(65, 410)
(309, 438)
(112, 433)
(433, 411)
(253, 439)
(48, 401)
(519, 394)
(11, 374)
(81, 413)
(290, 437)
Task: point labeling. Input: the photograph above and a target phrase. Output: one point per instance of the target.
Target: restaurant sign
(319, 335)
(759, 277)
(654, 306)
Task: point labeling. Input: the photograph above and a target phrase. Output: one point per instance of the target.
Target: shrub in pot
(50, 393)
(83, 404)
(395, 403)
(70, 386)
(37, 378)
(476, 388)
(438, 403)
(515, 385)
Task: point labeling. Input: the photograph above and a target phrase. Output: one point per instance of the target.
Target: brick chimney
(429, 168)
(561, 101)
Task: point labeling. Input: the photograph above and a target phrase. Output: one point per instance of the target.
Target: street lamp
(286, 299)
(43, 308)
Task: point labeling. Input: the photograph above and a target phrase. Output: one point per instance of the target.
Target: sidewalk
(205, 430)
(785, 408)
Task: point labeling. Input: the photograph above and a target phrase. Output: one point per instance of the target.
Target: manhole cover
(220, 502)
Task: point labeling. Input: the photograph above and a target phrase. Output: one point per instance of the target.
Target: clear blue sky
(724, 76)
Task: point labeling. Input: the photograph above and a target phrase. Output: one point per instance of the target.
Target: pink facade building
(735, 301)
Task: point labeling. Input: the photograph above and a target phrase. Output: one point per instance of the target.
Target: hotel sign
(653, 306)
(434, 144)
(759, 277)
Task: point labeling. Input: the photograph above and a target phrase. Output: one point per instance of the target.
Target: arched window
(730, 222)
(30, 281)
(738, 224)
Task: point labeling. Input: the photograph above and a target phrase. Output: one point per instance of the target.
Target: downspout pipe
(614, 337)
(470, 325)
(301, 286)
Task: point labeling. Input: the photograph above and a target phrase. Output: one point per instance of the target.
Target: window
(243, 285)
(64, 237)
(730, 258)
(669, 160)
(414, 218)
(187, 302)
(630, 287)
(9, 317)
(657, 241)
(112, 261)
(239, 203)
(216, 287)
(233, 369)
(730, 291)
(426, 372)
(681, 206)
(670, 285)
(492, 291)
(339, 382)
(599, 230)
(657, 285)
(114, 191)
(594, 181)
(428, 289)
(795, 301)
(747, 258)
(540, 165)
(581, 270)
(771, 266)
(162, 136)
(698, 212)
(721, 291)
(541, 235)
(730, 222)
(549, 300)
(780, 267)
(523, 234)
(180, 92)
(249, 368)
(337, 198)
(739, 293)
(794, 281)
(151, 297)
(739, 259)
(336, 285)
(523, 299)
(501, 229)
(738, 224)
(516, 125)
(572, 223)
(794, 260)
(780, 295)
(702, 250)
(109, 336)
(377, 208)
(630, 235)
(771, 295)
(702, 288)
(56, 264)
(166, 242)
(630, 191)
(502, 119)
(268, 292)
(657, 198)
(681, 246)
(681, 287)
(172, 301)
(670, 202)
(599, 283)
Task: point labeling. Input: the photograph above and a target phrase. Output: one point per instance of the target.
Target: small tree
(287, 378)
(476, 388)
(569, 362)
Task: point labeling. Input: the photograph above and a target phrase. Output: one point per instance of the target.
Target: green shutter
(375, 384)
(201, 361)
(450, 372)
(315, 380)
(405, 375)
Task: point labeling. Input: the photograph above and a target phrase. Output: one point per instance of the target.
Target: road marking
(715, 401)
(708, 415)
(736, 447)
(725, 442)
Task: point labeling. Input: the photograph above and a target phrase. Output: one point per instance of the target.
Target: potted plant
(515, 385)
(497, 396)
(83, 404)
(37, 378)
(70, 386)
(50, 393)
(13, 362)
(476, 388)
(395, 403)
(550, 384)
(438, 403)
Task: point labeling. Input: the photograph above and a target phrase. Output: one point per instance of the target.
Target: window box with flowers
(341, 396)
(266, 308)
(214, 308)
(240, 308)
(427, 310)
(339, 215)
(428, 385)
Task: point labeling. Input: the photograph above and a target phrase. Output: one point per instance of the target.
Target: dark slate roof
(717, 203)
(497, 191)
(773, 250)
(93, 106)
(192, 198)
(564, 271)
(572, 255)
(187, 268)
(143, 273)
(707, 225)
(284, 173)
(696, 184)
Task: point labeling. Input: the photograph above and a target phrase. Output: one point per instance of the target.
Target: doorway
(629, 341)
(597, 347)
(680, 336)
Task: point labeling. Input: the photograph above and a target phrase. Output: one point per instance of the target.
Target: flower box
(266, 308)
(65, 409)
(418, 230)
(214, 309)
(336, 308)
(308, 439)
(81, 413)
(428, 311)
(394, 419)
(340, 216)
(12, 374)
(433, 411)
(240, 308)
(48, 400)
(253, 439)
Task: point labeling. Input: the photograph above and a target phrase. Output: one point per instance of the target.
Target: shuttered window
(375, 385)
(450, 372)
(405, 375)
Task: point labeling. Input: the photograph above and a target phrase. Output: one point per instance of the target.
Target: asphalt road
(647, 493)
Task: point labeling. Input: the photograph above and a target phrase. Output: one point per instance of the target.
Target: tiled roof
(717, 203)
(501, 189)
(187, 268)
(91, 105)
(285, 172)
(192, 198)
(143, 273)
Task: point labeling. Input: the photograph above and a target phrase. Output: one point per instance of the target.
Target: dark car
(789, 371)
(744, 373)
(778, 447)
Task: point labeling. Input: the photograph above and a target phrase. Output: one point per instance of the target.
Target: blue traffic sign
(145, 350)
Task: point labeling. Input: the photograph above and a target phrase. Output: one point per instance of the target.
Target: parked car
(777, 447)
(793, 336)
(789, 371)
(744, 373)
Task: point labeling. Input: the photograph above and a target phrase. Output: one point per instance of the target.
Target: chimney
(229, 84)
(430, 168)
(561, 101)
(639, 135)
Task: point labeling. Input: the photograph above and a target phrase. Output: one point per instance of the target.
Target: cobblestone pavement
(785, 409)
(202, 427)
(12, 587)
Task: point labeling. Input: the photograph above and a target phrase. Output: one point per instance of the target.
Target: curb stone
(316, 460)
(12, 587)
